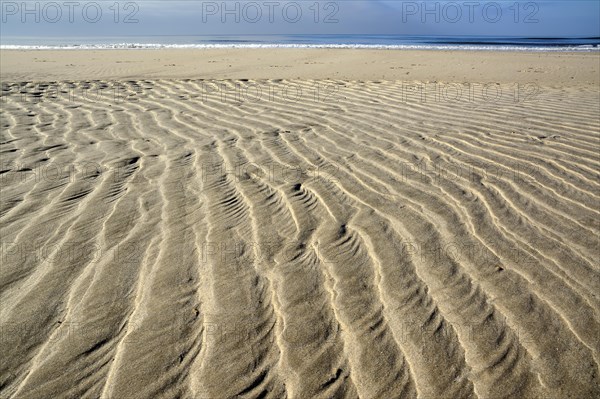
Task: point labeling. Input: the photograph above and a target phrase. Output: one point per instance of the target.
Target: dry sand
(321, 224)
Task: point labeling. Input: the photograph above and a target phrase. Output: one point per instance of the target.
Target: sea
(387, 42)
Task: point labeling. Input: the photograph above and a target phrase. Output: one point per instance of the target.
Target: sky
(65, 18)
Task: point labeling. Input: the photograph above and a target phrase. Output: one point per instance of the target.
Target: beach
(315, 63)
(302, 223)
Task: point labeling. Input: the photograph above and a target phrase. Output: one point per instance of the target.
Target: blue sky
(459, 18)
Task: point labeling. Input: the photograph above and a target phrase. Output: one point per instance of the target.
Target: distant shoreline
(305, 41)
(500, 48)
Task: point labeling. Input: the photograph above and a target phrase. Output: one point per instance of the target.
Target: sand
(449, 66)
(302, 224)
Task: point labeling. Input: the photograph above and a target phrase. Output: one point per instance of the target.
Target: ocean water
(391, 42)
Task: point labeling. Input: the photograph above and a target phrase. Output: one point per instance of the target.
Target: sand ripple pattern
(321, 239)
